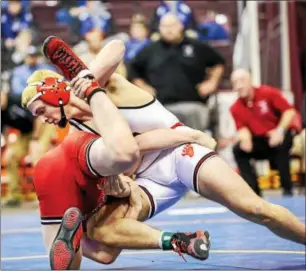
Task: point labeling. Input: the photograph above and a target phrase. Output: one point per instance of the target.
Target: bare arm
(216, 73)
(244, 134)
(118, 150)
(107, 61)
(286, 119)
(211, 83)
(161, 139)
(245, 139)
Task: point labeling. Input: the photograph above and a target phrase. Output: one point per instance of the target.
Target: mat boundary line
(221, 251)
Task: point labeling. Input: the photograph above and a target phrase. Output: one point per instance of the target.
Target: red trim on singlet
(196, 170)
(178, 124)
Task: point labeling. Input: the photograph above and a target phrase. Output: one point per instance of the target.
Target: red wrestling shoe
(67, 242)
(62, 56)
(196, 244)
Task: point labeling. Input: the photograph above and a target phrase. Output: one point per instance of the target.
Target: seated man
(264, 121)
(183, 73)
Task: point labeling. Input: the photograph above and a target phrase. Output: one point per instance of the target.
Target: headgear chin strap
(63, 122)
(54, 92)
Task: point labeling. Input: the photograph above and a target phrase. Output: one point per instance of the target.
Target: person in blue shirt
(211, 30)
(138, 40)
(96, 17)
(69, 12)
(25, 4)
(179, 8)
(21, 73)
(14, 19)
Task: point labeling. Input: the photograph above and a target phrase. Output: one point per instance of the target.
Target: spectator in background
(139, 37)
(21, 73)
(91, 47)
(25, 4)
(33, 136)
(175, 69)
(179, 8)
(96, 17)
(14, 19)
(264, 120)
(24, 41)
(211, 30)
(13, 58)
(69, 12)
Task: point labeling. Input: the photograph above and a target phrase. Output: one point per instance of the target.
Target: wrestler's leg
(217, 181)
(110, 227)
(98, 252)
(49, 234)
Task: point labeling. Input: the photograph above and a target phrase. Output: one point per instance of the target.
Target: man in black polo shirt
(180, 71)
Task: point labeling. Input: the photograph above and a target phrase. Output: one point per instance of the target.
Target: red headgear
(52, 91)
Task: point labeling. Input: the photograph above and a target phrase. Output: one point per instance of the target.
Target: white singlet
(144, 118)
(166, 175)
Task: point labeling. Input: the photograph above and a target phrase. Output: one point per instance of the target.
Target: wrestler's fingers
(106, 186)
(75, 82)
(72, 82)
(85, 86)
(135, 202)
(115, 189)
(76, 87)
(79, 84)
(124, 187)
(75, 92)
(122, 182)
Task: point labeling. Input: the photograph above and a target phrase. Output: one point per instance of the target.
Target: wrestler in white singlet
(166, 175)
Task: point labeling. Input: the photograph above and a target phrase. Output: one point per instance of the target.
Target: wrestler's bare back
(123, 94)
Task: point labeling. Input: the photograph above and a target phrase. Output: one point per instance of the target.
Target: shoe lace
(66, 58)
(179, 246)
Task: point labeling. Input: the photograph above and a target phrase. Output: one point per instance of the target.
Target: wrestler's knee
(107, 259)
(98, 252)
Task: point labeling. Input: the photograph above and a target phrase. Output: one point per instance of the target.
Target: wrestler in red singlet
(72, 185)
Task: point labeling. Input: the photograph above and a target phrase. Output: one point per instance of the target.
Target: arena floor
(236, 243)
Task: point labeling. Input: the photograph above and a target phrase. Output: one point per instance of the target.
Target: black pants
(279, 158)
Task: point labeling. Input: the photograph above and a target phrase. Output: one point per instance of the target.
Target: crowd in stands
(158, 49)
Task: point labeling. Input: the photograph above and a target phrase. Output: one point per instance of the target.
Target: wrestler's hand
(135, 201)
(79, 86)
(204, 140)
(116, 186)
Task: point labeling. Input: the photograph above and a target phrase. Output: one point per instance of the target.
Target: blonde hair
(33, 81)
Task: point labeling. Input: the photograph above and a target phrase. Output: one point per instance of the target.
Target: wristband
(93, 93)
